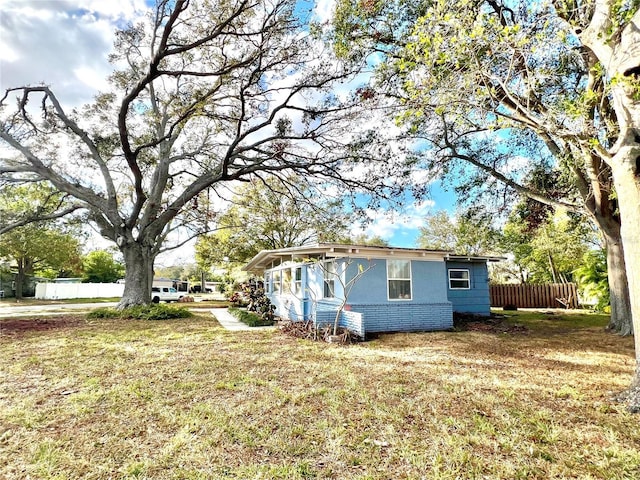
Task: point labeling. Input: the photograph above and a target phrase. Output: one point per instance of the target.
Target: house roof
(266, 258)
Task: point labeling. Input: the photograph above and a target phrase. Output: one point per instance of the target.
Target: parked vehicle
(165, 294)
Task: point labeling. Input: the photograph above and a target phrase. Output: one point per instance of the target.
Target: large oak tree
(204, 93)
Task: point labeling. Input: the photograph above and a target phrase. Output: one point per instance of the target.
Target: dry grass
(184, 399)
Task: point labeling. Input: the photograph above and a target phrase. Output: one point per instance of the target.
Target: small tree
(338, 273)
(592, 278)
(37, 248)
(470, 233)
(99, 266)
(258, 301)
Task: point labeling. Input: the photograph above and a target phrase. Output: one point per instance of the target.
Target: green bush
(250, 318)
(593, 280)
(142, 312)
(155, 312)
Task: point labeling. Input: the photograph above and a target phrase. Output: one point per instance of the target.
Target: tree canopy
(271, 214)
(99, 266)
(203, 94)
(40, 249)
(470, 233)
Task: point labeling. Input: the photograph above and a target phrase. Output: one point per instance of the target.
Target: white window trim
(327, 274)
(277, 285)
(410, 282)
(468, 279)
(296, 284)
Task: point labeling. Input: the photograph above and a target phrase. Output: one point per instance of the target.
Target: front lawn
(185, 399)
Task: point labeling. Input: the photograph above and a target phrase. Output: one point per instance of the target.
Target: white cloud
(61, 43)
(323, 10)
(400, 228)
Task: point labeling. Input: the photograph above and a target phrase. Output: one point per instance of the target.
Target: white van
(165, 294)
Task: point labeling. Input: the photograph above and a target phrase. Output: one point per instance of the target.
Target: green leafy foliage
(104, 312)
(99, 266)
(21, 204)
(142, 312)
(469, 233)
(592, 278)
(252, 319)
(41, 249)
(548, 253)
(271, 214)
(259, 302)
(252, 295)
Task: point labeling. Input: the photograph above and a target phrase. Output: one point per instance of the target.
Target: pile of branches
(304, 330)
(309, 331)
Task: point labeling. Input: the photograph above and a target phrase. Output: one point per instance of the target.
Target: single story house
(381, 289)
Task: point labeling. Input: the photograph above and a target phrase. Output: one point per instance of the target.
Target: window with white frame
(276, 282)
(399, 279)
(267, 282)
(329, 270)
(296, 285)
(459, 279)
(286, 281)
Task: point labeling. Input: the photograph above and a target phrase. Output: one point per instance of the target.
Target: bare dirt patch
(493, 324)
(22, 325)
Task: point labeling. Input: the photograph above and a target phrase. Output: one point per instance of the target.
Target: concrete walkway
(230, 322)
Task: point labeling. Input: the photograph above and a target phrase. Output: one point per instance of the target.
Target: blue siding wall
(372, 286)
(427, 282)
(475, 300)
(405, 317)
(352, 321)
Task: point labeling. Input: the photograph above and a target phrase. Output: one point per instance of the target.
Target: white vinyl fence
(55, 291)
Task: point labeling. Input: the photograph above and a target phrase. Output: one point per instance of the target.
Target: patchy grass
(107, 398)
(555, 320)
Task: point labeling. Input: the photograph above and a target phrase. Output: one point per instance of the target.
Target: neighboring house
(401, 289)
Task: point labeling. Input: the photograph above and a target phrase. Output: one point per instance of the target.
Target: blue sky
(66, 43)
(401, 228)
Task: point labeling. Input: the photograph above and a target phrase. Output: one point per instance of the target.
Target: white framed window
(267, 282)
(276, 282)
(330, 272)
(459, 279)
(296, 285)
(399, 279)
(286, 281)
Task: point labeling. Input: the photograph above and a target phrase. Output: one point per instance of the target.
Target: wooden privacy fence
(550, 295)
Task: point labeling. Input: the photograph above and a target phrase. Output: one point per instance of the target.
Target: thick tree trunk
(627, 180)
(616, 271)
(138, 278)
(618, 287)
